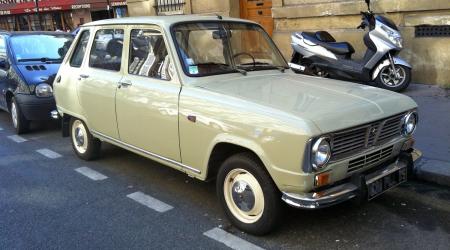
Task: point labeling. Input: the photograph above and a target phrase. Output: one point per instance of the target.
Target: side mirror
(4, 64)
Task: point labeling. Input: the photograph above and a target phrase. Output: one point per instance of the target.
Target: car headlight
(409, 123)
(320, 153)
(43, 90)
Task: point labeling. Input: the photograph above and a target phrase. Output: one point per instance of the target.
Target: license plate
(379, 186)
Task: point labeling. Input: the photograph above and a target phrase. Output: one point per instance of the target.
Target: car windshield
(40, 47)
(210, 48)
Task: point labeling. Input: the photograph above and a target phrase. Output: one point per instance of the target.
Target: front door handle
(124, 83)
(83, 76)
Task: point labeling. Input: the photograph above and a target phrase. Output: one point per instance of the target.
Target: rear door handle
(58, 79)
(83, 76)
(124, 83)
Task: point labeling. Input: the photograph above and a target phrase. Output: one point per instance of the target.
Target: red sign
(56, 5)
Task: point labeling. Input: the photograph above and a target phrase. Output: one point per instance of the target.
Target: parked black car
(29, 62)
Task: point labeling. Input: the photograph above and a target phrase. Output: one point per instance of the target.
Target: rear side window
(106, 51)
(148, 54)
(80, 50)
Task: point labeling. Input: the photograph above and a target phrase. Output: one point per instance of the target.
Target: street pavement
(433, 132)
(50, 199)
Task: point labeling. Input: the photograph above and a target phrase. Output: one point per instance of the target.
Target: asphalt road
(46, 204)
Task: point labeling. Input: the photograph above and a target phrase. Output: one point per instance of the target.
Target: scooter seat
(327, 41)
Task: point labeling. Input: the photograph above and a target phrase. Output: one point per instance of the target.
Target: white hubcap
(243, 195)
(14, 114)
(79, 136)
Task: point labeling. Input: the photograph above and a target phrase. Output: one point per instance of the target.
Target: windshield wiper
(242, 71)
(265, 65)
(42, 59)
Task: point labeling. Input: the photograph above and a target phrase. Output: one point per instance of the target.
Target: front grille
(354, 140)
(370, 159)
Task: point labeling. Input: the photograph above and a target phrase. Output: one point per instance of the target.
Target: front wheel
(397, 80)
(20, 123)
(86, 146)
(248, 194)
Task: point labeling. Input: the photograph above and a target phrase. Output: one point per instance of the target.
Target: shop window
(432, 31)
(169, 7)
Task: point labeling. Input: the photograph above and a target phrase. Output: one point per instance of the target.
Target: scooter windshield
(220, 47)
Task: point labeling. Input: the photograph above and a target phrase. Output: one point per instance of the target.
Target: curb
(435, 171)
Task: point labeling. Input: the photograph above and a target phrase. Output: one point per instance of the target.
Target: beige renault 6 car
(214, 98)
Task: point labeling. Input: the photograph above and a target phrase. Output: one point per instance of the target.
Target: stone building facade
(429, 54)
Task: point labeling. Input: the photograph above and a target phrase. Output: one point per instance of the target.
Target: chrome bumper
(343, 192)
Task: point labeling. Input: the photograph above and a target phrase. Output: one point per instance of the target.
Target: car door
(99, 79)
(147, 100)
(68, 76)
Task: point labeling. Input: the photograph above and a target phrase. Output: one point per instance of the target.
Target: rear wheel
(395, 80)
(248, 194)
(20, 123)
(86, 146)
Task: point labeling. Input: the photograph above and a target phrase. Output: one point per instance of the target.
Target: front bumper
(35, 108)
(345, 191)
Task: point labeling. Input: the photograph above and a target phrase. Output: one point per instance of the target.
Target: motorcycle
(318, 53)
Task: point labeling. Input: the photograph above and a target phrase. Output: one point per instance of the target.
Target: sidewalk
(433, 132)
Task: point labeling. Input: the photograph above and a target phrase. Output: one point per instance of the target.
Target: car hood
(330, 104)
(38, 72)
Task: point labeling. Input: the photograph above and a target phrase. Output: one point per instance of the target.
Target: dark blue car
(29, 62)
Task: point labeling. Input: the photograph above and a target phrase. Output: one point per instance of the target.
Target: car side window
(148, 54)
(80, 50)
(2, 47)
(106, 51)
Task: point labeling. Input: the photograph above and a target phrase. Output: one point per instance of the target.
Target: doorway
(259, 11)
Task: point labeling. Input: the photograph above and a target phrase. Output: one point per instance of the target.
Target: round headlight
(409, 123)
(44, 90)
(321, 153)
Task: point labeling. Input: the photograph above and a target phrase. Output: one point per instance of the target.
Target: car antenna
(219, 16)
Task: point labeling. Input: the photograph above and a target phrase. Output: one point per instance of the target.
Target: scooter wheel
(397, 80)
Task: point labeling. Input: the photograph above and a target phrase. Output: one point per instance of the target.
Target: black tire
(380, 83)
(90, 147)
(271, 212)
(21, 124)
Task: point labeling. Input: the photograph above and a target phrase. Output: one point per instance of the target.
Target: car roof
(161, 20)
(23, 33)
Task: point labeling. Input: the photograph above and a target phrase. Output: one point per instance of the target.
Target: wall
(79, 15)
(429, 57)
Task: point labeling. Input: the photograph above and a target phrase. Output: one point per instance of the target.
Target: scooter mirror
(368, 4)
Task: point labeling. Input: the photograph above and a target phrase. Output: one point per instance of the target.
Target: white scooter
(318, 53)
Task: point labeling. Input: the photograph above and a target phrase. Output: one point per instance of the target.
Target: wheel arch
(222, 150)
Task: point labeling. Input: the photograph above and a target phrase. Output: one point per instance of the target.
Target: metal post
(108, 7)
(36, 3)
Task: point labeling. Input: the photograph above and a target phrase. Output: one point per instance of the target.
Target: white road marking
(48, 153)
(230, 240)
(16, 138)
(150, 202)
(91, 174)
(1, 128)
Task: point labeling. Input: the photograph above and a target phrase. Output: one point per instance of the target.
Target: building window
(169, 7)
